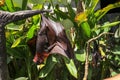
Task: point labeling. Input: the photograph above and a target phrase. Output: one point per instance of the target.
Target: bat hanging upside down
(51, 38)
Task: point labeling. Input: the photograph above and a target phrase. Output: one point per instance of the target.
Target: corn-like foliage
(96, 48)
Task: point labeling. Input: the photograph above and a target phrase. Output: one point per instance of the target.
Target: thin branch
(87, 51)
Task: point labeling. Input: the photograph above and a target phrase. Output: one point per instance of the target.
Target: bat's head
(41, 42)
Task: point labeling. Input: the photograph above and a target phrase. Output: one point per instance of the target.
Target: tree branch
(87, 51)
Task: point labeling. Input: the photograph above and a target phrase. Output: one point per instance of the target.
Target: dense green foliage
(83, 30)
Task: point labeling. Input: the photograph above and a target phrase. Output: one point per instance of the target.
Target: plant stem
(87, 52)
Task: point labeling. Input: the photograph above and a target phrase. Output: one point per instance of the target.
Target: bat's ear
(32, 44)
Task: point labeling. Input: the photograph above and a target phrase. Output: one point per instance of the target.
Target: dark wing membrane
(32, 44)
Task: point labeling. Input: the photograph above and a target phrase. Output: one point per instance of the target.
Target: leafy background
(81, 27)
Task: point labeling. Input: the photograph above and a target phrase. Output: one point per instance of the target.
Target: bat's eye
(42, 33)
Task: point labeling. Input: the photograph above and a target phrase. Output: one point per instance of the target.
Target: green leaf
(80, 57)
(24, 4)
(16, 43)
(18, 3)
(31, 31)
(86, 29)
(50, 64)
(71, 67)
(67, 23)
(117, 33)
(38, 6)
(10, 5)
(93, 6)
(4, 8)
(107, 25)
(22, 78)
(61, 14)
(71, 11)
(12, 26)
(116, 50)
(36, 19)
(100, 13)
(14, 52)
(110, 24)
(37, 1)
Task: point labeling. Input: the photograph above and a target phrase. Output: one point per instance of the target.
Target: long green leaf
(71, 11)
(31, 31)
(14, 52)
(24, 4)
(16, 43)
(107, 25)
(10, 5)
(50, 64)
(71, 67)
(100, 13)
(86, 29)
(92, 6)
(117, 33)
(22, 78)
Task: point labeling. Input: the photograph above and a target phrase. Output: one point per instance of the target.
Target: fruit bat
(96, 56)
(51, 39)
(5, 18)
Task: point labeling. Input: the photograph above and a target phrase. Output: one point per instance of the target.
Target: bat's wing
(32, 44)
(59, 38)
(54, 35)
(58, 49)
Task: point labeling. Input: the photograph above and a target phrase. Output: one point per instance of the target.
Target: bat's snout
(40, 57)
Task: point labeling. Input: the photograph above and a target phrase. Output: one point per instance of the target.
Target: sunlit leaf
(37, 1)
(31, 31)
(16, 43)
(38, 6)
(15, 27)
(86, 29)
(107, 25)
(7, 33)
(71, 67)
(2, 2)
(67, 23)
(100, 13)
(117, 33)
(101, 51)
(40, 66)
(81, 17)
(36, 19)
(80, 57)
(10, 5)
(17, 3)
(93, 6)
(50, 64)
(22, 78)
